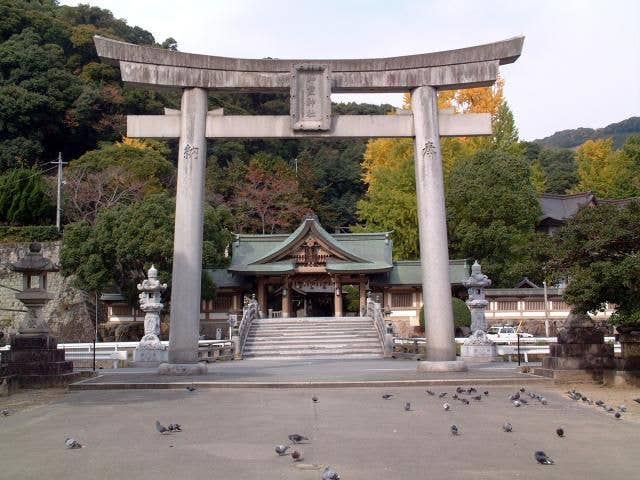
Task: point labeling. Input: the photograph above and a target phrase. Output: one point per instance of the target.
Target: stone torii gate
(310, 84)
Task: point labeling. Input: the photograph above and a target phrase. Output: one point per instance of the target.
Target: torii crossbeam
(310, 84)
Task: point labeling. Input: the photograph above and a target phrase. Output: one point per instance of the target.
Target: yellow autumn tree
(607, 172)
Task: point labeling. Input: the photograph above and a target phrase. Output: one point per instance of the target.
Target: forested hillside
(619, 132)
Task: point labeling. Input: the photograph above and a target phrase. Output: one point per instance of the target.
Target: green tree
(560, 169)
(538, 177)
(598, 250)
(25, 198)
(127, 239)
(492, 210)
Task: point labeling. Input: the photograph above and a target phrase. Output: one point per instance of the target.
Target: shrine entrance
(310, 84)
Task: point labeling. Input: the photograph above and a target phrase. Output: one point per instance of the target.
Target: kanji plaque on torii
(310, 83)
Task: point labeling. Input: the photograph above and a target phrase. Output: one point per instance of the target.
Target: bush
(461, 314)
(32, 233)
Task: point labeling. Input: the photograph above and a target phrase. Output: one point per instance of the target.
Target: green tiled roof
(408, 272)
(365, 252)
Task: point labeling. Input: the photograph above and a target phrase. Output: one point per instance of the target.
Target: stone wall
(69, 315)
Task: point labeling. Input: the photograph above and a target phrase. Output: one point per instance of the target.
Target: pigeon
(542, 458)
(429, 392)
(486, 392)
(72, 443)
(617, 415)
(5, 412)
(516, 403)
(282, 449)
(191, 388)
(465, 401)
(515, 396)
(174, 427)
(610, 409)
(507, 427)
(442, 395)
(622, 408)
(160, 428)
(637, 400)
(314, 399)
(387, 396)
(295, 455)
(560, 432)
(522, 389)
(330, 474)
(600, 403)
(454, 396)
(459, 390)
(543, 401)
(407, 406)
(477, 397)
(446, 406)
(454, 430)
(295, 438)
(471, 390)
(523, 401)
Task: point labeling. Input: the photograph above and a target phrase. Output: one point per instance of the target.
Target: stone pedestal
(37, 361)
(630, 346)
(580, 353)
(182, 369)
(479, 349)
(442, 366)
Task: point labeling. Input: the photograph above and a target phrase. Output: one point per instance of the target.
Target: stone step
(311, 319)
(312, 338)
(309, 351)
(312, 324)
(315, 356)
(320, 331)
(314, 346)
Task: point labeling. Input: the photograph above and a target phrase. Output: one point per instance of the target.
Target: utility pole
(59, 197)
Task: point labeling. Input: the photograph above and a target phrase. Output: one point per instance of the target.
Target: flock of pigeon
(577, 396)
(461, 394)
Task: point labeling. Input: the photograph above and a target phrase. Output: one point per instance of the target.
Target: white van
(505, 333)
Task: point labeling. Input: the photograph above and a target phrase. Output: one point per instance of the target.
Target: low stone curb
(527, 379)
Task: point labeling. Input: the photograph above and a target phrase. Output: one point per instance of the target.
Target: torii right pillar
(432, 226)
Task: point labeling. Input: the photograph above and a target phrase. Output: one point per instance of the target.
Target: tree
(607, 172)
(538, 177)
(492, 210)
(126, 239)
(390, 202)
(25, 198)
(560, 169)
(598, 250)
(268, 201)
(114, 174)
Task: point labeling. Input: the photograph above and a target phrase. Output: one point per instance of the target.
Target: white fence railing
(117, 351)
(528, 346)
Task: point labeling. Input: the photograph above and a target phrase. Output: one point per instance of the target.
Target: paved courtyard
(231, 434)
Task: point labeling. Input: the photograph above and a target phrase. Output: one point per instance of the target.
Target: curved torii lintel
(461, 68)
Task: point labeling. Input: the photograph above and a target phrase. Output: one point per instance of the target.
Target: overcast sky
(580, 66)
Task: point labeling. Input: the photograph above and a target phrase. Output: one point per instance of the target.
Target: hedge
(31, 233)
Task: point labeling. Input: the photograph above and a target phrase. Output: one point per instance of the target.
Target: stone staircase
(317, 338)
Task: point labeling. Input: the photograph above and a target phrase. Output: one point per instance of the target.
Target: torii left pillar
(187, 243)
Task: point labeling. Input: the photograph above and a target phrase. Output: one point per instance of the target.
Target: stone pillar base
(182, 369)
(479, 353)
(443, 366)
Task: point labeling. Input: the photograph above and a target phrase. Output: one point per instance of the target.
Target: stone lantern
(34, 356)
(150, 351)
(478, 347)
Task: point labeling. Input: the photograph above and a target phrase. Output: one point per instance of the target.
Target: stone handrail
(249, 312)
(375, 312)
